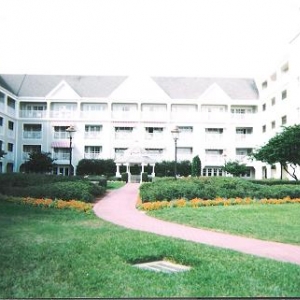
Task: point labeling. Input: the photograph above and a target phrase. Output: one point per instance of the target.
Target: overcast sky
(150, 37)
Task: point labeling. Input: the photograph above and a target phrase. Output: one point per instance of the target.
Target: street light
(175, 134)
(70, 130)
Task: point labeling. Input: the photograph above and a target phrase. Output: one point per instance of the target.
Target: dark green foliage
(124, 177)
(49, 186)
(166, 168)
(283, 148)
(212, 187)
(105, 167)
(39, 162)
(145, 177)
(80, 190)
(196, 166)
(235, 168)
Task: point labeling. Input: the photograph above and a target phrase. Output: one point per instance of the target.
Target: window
(10, 125)
(92, 151)
(273, 77)
(60, 132)
(32, 131)
(154, 129)
(284, 94)
(243, 130)
(264, 107)
(264, 85)
(264, 128)
(154, 151)
(10, 147)
(273, 124)
(184, 150)
(283, 120)
(214, 130)
(1, 121)
(27, 149)
(285, 68)
(11, 102)
(2, 96)
(92, 131)
(185, 129)
(273, 101)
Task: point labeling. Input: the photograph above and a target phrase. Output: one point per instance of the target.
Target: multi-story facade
(218, 119)
(279, 91)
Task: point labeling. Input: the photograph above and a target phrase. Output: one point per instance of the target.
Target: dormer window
(264, 85)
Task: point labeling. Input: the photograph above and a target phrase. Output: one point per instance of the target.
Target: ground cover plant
(65, 253)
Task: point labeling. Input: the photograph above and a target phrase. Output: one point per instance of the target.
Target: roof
(42, 85)
(135, 155)
(194, 87)
(103, 86)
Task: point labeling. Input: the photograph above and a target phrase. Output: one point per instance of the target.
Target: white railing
(32, 135)
(92, 155)
(92, 135)
(35, 114)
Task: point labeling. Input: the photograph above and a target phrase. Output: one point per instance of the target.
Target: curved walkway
(118, 207)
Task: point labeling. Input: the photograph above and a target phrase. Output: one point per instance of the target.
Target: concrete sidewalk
(118, 207)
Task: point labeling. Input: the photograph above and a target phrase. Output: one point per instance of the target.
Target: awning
(61, 144)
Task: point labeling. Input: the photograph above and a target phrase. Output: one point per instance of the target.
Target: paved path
(118, 207)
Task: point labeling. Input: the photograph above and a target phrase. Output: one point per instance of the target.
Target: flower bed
(49, 203)
(197, 202)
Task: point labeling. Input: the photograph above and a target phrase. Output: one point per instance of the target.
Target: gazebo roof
(135, 155)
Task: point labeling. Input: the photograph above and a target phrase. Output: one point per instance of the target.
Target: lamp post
(70, 130)
(175, 134)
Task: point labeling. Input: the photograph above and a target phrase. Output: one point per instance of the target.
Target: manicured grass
(112, 185)
(63, 253)
(269, 222)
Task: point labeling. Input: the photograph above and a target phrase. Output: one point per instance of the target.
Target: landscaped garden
(51, 249)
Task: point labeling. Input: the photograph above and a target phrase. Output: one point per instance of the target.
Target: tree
(235, 168)
(39, 162)
(283, 148)
(196, 166)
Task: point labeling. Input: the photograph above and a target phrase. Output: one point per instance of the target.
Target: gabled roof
(194, 87)
(104, 86)
(41, 85)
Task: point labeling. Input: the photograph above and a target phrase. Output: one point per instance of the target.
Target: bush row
(82, 190)
(211, 188)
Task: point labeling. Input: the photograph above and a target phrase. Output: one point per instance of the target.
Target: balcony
(35, 135)
(125, 115)
(32, 114)
(214, 160)
(66, 115)
(92, 155)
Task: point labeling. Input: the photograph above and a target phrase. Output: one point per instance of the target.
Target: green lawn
(63, 253)
(269, 222)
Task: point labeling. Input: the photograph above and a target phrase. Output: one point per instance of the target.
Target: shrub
(124, 177)
(78, 190)
(212, 187)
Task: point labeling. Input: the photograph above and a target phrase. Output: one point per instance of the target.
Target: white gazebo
(134, 156)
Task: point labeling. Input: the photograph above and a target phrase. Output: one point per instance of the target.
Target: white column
(118, 174)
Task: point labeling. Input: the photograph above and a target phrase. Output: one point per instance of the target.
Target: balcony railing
(32, 135)
(92, 155)
(32, 114)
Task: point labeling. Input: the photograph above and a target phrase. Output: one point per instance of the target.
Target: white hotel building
(220, 119)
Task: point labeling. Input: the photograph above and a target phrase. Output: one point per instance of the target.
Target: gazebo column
(118, 174)
(128, 172)
(153, 170)
(141, 177)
